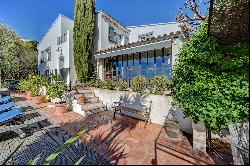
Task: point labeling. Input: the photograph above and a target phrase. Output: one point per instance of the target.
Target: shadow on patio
(42, 139)
(181, 152)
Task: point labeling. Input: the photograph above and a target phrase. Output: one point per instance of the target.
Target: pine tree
(84, 24)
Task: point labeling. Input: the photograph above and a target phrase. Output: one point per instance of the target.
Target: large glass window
(130, 66)
(119, 72)
(159, 61)
(114, 66)
(144, 64)
(148, 64)
(125, 65)
(151, 66)
(167, 62)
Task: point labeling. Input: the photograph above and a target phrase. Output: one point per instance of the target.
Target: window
(145, 36)
(151, 64)
(48, 51)
(111, 34)
(126, 40)
(62, 39)
(42, 57)
(58, 40)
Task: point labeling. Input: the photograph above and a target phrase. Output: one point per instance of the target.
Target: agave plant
(55, 154)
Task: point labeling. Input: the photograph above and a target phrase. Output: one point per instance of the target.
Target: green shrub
(211, 82)
(139, 84)
(57, 87)
(108, 84)
(158, 85)
(25, 85)
(121, 85)
(33, 84)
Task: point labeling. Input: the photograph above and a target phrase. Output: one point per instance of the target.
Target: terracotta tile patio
(129, 141)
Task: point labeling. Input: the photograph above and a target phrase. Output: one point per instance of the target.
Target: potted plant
(82, 100)
(25, 86)
(37, 82)
(56, 91)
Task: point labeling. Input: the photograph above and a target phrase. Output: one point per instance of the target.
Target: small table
(4, 92)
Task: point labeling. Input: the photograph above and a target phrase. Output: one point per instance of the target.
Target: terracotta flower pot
(82, 100)
(61, 108)
(39, 99)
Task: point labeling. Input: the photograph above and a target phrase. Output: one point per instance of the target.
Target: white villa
(120, 52)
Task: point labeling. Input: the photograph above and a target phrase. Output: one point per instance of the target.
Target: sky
(31, 19)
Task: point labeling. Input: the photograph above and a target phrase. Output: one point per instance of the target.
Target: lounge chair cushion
(5, 107)
(10, 115)
(5, 99)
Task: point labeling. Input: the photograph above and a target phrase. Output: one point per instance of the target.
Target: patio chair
(5, 99)
(9, 116)
(15, 119)
(7, 106)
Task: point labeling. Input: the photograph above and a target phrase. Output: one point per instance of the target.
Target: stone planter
(39, 99)
(172, 126)
(199, 137)
(61, 108)
(82, 100)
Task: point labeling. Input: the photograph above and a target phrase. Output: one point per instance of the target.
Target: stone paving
(44, 138)
(127, 141)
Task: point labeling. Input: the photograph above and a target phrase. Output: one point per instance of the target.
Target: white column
(100, 68)
(176, 46)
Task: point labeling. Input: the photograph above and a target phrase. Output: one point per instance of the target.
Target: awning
(135, 49)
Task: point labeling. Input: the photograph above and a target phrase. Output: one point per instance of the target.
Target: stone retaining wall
(160, 106)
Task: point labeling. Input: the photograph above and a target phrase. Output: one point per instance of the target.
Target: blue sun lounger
(8, 113)
(5, 99)
(7, 106)
(15, 119)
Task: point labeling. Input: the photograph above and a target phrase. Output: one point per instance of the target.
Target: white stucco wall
(61, 26)
(102, 32)
(160, 105)
(158, 29)
(50, 40)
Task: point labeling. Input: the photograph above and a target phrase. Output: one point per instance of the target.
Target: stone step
(94, 111)
(92, 99)
(89, 95)
(84, 91)
(91, 106)
(77, 96)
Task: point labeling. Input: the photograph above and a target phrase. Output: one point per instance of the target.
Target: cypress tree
(84, 24)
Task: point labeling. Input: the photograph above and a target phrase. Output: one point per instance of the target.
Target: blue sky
(31, 19)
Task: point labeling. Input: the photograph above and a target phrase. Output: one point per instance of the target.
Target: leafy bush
(158, 85)
(33, 84)
(211, 82)
(57, 87)
(139, 84)
(25, 85)
(108, 84)
(121, 85)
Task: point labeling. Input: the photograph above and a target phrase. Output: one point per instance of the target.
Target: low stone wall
(160, 106)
